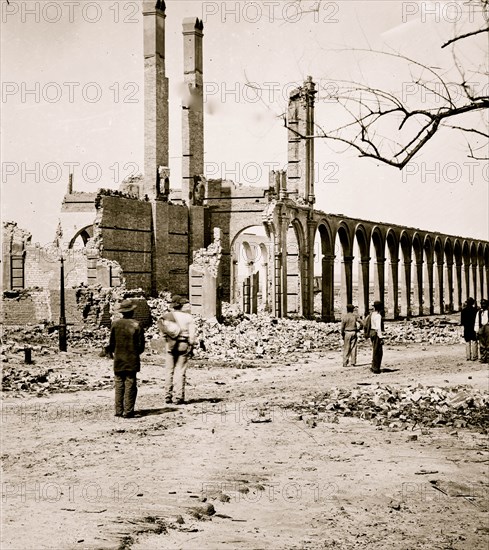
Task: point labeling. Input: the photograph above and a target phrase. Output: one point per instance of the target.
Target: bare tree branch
(462, 36)
(372, 110)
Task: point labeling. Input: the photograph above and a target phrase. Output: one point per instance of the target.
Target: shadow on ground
(153, 412)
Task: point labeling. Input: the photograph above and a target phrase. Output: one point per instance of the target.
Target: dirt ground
(76, 477)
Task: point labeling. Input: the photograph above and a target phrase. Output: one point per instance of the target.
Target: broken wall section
(171, 257)
(14, 242)
(123, 233)
(149, 240)
(35, 306)
(233, 208)
(205, 280)
(31, 278)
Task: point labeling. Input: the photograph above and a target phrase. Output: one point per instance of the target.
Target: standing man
(178, 350)
(482, 330)
(349, 328)
(467, 320)
(126, 344)
(377, 336)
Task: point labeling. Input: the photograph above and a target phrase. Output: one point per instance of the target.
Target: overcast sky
(84, 62)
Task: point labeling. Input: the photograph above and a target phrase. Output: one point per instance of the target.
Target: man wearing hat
(482, 330)
(468, 317)
(376, 336)
(178, 350)
(126, 344)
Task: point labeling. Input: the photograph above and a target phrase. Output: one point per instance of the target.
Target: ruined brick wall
(233, 208)
(149, 240)
(124, 230)
(205, 280)
(19, 311)
(14, 242)
(171, 254)
(77, 214)
(42, 267)
(35, 306)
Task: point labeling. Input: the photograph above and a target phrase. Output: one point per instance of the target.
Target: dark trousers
(377, 352)
(484, 344)
(126, 390)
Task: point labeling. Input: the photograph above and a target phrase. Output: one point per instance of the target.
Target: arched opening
(324, 273)
(361, 271)
(405, 287)
(458, 275)
(480, 271)
(295, 269)
(417, 275)
(343, 288)
(81, 237)
(377, 268)
(438, 296)
(428, 276)
(473, 263)
(448, 283)
(392, 302)
(466, 292)
(250, 273)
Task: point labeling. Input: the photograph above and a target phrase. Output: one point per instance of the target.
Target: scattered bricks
(202, 512)
(432, 407)
(460, 400)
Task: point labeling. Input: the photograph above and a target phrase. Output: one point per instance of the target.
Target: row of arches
(412, 272)
(317, 265)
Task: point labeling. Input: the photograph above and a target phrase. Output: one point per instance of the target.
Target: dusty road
(76, 477)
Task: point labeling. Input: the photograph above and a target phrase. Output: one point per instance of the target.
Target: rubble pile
(42, 381)
(403, 407)
(238, 336)
(243, 336)
(424, 330)
(42, 339)
(99, 304)
(255, 336)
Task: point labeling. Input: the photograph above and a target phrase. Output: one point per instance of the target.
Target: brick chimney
(300, 122)
(192, 107)
(155, 96)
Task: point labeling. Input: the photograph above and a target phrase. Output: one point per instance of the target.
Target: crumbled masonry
(403, 407)
(239, 340)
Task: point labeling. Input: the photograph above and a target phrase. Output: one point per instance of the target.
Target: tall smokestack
(155, 95)
(300, 121)
(192, 106)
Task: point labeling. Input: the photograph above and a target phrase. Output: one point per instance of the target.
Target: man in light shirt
(178, 351)
(350, 323)
(482, 330)
(376, 336)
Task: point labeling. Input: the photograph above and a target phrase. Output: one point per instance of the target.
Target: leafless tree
(392, 128)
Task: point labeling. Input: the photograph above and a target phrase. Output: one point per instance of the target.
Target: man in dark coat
(126, 344)
(467, 320)
(377, 336)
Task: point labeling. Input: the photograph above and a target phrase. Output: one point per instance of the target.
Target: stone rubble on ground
(402, 407)
(239, 339)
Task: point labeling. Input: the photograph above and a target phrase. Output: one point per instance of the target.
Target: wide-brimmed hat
(126, 306)
(378, 303)
(178, 301)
